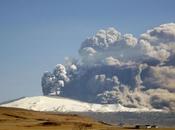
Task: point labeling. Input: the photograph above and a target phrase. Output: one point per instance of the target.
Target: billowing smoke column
(116, 68)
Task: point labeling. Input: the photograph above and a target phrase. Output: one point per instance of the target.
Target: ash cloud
(120, 68)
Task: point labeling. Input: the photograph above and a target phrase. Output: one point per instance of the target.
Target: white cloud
(111, 61)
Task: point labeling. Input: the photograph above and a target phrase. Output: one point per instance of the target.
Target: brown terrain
(20, 119)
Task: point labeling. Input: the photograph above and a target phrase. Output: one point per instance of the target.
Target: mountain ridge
(61, 104)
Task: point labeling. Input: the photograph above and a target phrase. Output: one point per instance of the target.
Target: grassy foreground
(20, 119)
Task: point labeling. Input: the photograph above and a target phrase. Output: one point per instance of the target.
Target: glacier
(61, 104)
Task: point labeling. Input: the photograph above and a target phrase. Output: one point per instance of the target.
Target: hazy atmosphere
(36, 35)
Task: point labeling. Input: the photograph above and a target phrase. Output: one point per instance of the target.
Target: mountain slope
(60, 104)
(20, 119)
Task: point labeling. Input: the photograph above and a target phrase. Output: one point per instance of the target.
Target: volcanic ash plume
(116, 68)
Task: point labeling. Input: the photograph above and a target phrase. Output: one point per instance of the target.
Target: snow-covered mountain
(60, 104)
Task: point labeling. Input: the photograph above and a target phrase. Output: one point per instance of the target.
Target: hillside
(29, 120)
(20, 119)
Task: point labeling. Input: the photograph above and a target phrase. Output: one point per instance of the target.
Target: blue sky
(35, 35)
